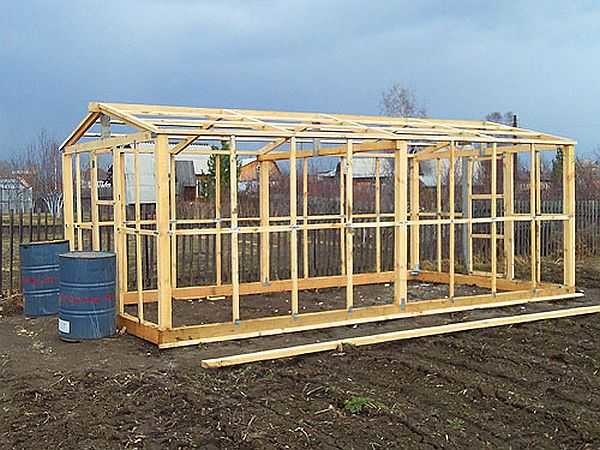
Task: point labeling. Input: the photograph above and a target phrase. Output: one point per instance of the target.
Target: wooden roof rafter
(182, 124)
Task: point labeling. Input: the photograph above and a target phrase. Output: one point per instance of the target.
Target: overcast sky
(463, 59)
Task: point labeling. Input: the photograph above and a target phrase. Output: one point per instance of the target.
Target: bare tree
(401, 102)
(506, 118)
(40, 167)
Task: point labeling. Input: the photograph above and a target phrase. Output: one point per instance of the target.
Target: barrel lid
(59, 241)
(87, 255)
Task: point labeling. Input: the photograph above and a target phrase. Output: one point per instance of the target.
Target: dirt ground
(525, 386)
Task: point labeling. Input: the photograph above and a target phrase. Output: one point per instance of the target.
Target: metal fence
(196, 254)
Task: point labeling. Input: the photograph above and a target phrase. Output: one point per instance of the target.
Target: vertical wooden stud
(342, 216)
(68, 213)
(123, 216)
(218, 218)
(451, 207)
(509, 225)
(538, 213)
(438, 191)
(348, 229)
(414, 215)
(138, 234)
(532, 212)
(469, 215)
(493, 210)
(569, 210)
(78, 201)
(378, 214)
(118, 232)
(163, 256)
(94, 201)
(263, 187)
(173, 221)
(305, 217)
(293, 226)
(233, 188)
(400, 227)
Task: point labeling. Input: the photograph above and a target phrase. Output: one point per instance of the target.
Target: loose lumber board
(395, 336)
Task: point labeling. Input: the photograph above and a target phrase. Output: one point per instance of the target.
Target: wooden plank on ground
(395, 336)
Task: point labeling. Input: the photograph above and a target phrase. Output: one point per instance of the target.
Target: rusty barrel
(87, 295)
(40, 275)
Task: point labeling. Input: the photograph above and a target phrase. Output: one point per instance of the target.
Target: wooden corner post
(67, 185)
(569, 211)
(163, 256)
(400, 226)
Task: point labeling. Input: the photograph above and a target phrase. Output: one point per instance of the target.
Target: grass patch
(361, 405)
(456, 423)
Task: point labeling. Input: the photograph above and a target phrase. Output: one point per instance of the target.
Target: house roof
(13, 183)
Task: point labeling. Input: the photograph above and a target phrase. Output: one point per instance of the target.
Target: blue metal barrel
(87, 295)
(39, 276)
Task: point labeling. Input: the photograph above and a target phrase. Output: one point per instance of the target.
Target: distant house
(15, 194)
(190, 171)
(248, 178)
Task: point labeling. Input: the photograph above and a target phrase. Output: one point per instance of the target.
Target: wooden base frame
(193, 335)
(165, 132)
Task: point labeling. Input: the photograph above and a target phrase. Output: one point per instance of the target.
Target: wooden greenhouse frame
(166, 131)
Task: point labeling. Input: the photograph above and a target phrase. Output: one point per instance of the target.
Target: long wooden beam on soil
(396, 336)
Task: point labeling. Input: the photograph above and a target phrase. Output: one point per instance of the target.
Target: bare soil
(526, 386)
